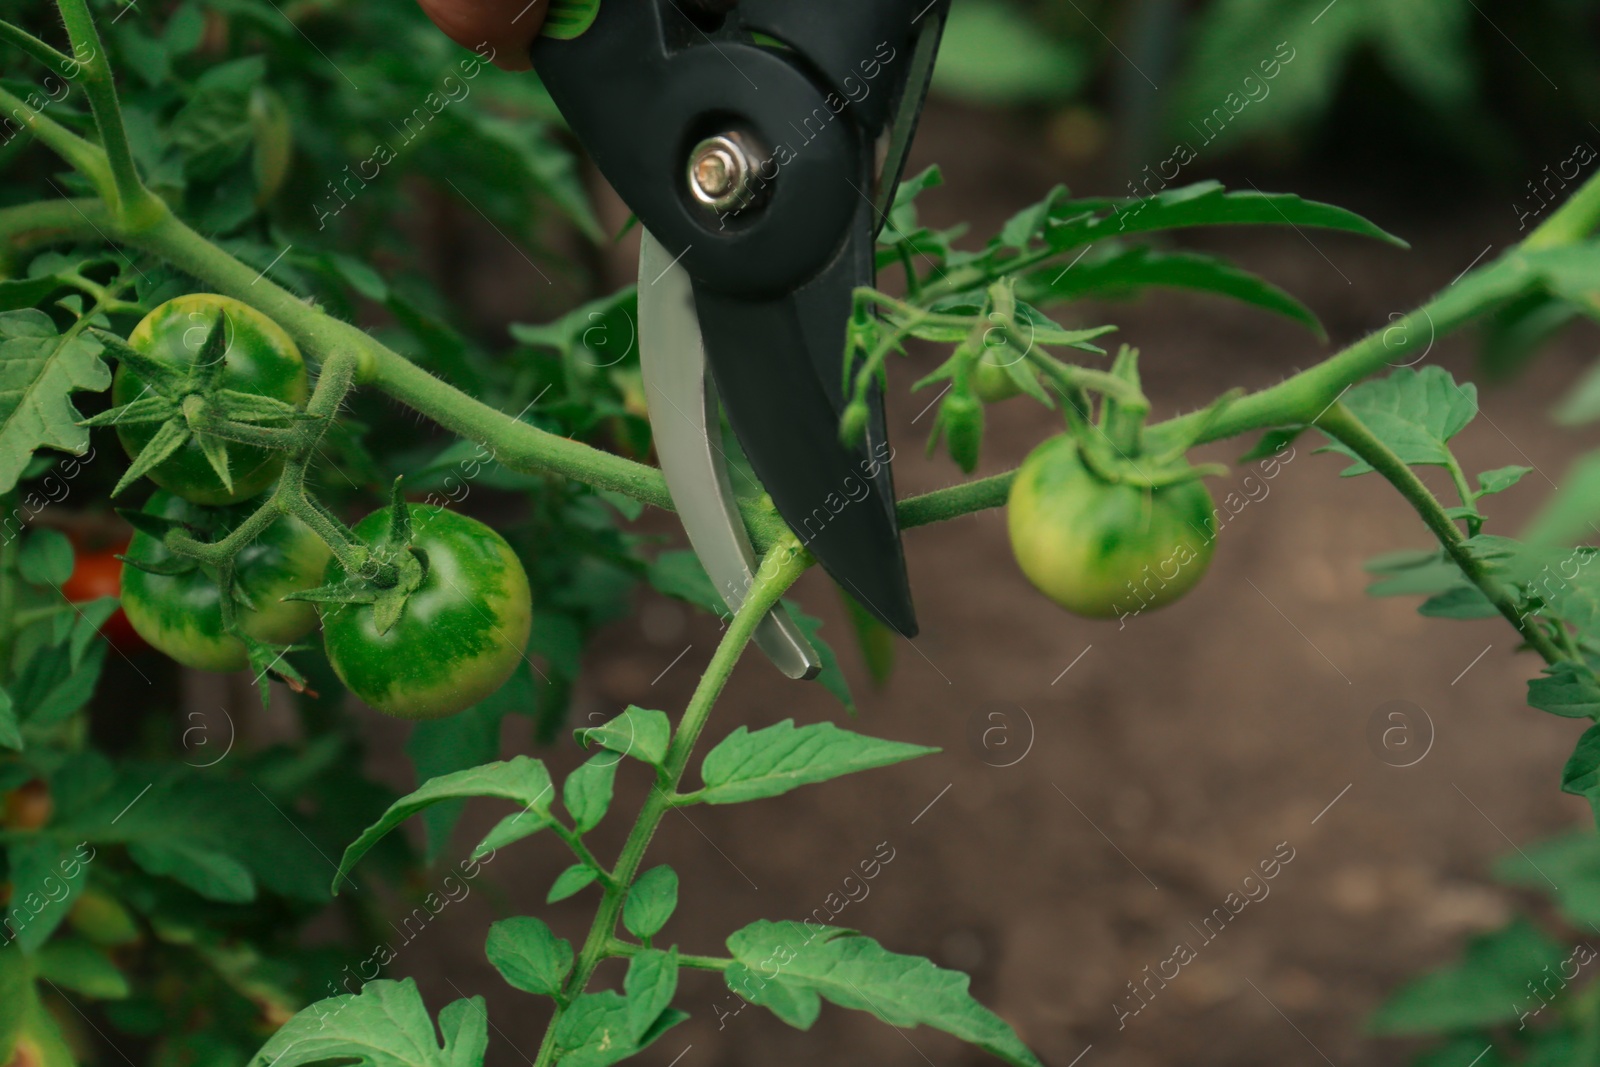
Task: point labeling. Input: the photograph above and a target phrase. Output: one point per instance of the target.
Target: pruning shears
(759, 143)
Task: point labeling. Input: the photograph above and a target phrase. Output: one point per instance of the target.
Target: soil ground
(1103, 789)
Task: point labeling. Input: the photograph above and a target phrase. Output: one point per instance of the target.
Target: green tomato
(461, 634)
(991, 381)
(1103, 550)
(181, 614)
(261, 358)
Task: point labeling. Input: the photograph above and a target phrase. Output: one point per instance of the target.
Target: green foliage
(570, 882)
(1415, 413)
(1423, 45)
(587, 791)
(650, 903)
(852, 971)
(385, 1025)
(522, 779)
(641, 734)
(40, 367)
(994, 54)
(1485, 988)
(1522, 993)
(772, 761)
(529, 956)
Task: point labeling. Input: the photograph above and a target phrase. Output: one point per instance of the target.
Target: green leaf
(1244, 78)
(994, 53)
(651, 900)
(856, 972)
(637, 732)
(832, 676)
(1500, 479)
(587, 791)
(10, 730)
(523, 780)
(1128, 273)
(51, 688)
(460, 742)
(774, 760)
(1415, 413)
(1581, 775)
(385, 1025)
(570, 18)
(39, 370)
(529, 956)
(1570, 514)
(86, 622)
(596, 1031)
(680, 575)
(46, 558)
(1462, 602)
(651, 982)
(82, 968)
(570, 881)
(16, 997)
(1582, 404)
(1074, 223)
(213, 875)
(798, 1005)
(1571, 861)
(873, 638)
(45, 877)
(1485, 988)
(510, 830)
(1567, 689)
(213, 130)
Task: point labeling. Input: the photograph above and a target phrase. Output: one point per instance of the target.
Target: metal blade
(685, 423)
(778, 366)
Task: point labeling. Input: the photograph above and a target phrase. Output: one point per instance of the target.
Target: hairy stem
(779, 570)
(59, 62)
(83, 156)
(1337, 422)
(135, 206)
(29, 228)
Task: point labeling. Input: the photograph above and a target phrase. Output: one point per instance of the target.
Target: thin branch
(1340, 424)
(62, 63)
(135, 206)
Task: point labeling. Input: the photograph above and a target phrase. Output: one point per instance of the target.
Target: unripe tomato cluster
(463, 629)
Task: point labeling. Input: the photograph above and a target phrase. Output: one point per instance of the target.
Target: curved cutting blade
(778, 365)
(685, 423)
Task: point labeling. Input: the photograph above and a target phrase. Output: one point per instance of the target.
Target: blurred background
(1102, 788)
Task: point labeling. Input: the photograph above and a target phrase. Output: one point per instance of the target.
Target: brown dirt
(1149, 779)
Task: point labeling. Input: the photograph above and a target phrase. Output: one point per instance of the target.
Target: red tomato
(98, 574)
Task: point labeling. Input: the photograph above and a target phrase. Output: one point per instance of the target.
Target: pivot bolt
(722, 172)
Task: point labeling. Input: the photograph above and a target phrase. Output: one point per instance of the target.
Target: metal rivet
(722, 172)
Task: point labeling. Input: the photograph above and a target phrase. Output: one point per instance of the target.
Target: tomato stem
(779, 569)
(1342, 425)
(135, 206)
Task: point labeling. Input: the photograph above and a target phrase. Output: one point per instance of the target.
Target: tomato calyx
(190, 403)
(394, 570)
(1114, 449)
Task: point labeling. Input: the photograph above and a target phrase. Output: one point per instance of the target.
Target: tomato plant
(277, 368)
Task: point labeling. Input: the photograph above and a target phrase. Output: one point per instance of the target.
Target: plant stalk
(1338, 422)
(134, 206)
(779, 570)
